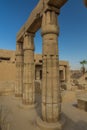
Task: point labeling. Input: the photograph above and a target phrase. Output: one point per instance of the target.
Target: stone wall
(8, 68)
(7, 71)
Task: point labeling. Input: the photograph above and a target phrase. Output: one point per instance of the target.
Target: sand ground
(25, 118)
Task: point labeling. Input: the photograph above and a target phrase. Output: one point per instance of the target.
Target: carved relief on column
(51, 106)
(19, 70)
(29, 70)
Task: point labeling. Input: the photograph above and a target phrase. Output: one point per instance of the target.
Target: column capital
(51, 8)
(19, 48)
(19, 42)
(28, 41)
(29, 34)
(50, 23)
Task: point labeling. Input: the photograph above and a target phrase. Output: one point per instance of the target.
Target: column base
(50, 126)
(28, 106)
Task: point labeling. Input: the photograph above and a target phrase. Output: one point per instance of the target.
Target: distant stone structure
(82, 99)
(44, 16)
(8, 67)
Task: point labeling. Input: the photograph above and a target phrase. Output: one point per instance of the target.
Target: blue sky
(72, 21)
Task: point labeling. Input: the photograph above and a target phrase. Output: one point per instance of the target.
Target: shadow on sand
(72, 125)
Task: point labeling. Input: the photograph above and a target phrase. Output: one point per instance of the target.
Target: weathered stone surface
(67, 76)
(82, 101)
(7, 55)
(19, 66)
(51, 126)
(82, 104)
(29, 70)
(7, 87)
(44, 16)
(50, 81)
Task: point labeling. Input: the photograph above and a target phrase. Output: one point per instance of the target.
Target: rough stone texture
(7, 55)
(7, 71)
(83, 80)
(50, 126)
(50, 82)
(82, 103)
(29, 70)
(19, 71)
(67, 76)
(7, 87)
(82, 100)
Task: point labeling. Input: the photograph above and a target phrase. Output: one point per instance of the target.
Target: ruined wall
(7, 78)
(8, 66)
(7, 71)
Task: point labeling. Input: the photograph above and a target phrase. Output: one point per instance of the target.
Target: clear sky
(72, 21)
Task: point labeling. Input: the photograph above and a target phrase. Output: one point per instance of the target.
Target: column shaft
(50, 76)
(29, 71)
(19, 70)
(67, 77)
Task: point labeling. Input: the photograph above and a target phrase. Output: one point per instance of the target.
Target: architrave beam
(34, 21)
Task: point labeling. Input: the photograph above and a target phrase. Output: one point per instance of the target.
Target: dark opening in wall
(40, 61)
(61, 75)
(85, 78)
(4, 58)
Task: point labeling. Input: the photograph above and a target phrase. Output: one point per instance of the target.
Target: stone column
(19, 70)
(37, 74)
(62, 73)
(51, 106)
(67, 77)
(29, 70)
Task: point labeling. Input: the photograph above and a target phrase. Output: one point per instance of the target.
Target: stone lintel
(34, 21)
(57, 3)
(29, 34)
(85, 3)
(19, 48)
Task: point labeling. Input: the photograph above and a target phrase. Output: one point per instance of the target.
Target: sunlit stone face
(85, 2)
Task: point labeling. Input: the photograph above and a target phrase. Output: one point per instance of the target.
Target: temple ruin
(26, 68)
(8, 68)
(44, 16)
